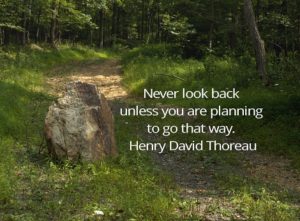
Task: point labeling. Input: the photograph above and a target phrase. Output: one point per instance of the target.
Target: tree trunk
(6, 36)
(298, 47)
(126, 25)
(101, 28)
(53, 23)
(142, 20)
(118, 23)
(284, 7)
(148, 25)
(158, 33)
(114, 24)
(91, 37)
(24, 18)
(24, 31)
(1, 36)
(211, 28)
(258, 8)
(37, 33)
(258, 43)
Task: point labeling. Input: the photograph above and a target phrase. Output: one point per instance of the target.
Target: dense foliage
(132, 187)
(199, 26)
(164, 45)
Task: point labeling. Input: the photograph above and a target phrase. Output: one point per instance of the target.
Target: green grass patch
(33, 187)
(278, 132)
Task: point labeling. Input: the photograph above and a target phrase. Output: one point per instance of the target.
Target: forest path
(194, 177)
(211, 200)
(105, 74)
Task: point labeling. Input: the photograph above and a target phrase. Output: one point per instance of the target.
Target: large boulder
(80, 125)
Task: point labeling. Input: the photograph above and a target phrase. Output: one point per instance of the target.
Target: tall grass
(155, 67)
(24, 101)
(32, 187)
(277, 133)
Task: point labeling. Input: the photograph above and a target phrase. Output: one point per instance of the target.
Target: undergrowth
(32, 186)
(157, 68)
(131, 187)
(154, 67)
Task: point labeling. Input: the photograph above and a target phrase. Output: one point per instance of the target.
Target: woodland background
(165, 45)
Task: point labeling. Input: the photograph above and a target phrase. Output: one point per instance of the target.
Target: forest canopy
(197, 26)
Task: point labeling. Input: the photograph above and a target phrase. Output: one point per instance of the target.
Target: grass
(155, 67)
(277, 133)
(33, 187)
(131, 186)
(267, 208)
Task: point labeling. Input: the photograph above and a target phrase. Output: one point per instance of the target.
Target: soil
(106, 75)
(195, 180)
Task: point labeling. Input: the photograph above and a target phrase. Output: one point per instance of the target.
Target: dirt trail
(197, 183)
(194, 179)
(106, 75)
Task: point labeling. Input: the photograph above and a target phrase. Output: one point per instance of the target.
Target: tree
(258, 43)
(197, 26)
(54, 9)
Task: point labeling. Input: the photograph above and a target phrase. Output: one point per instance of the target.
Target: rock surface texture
(80, 125)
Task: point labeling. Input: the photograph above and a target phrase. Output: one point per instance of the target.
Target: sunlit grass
(130, 186)
(124, 188)
(154, 67)
(264, 206)
(277, 133)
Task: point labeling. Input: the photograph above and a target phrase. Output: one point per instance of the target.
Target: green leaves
(11, 26)
(71, 18)
(176, 26)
